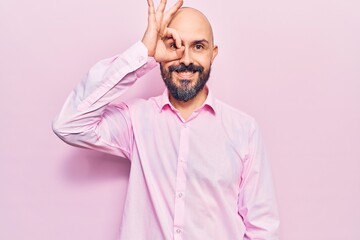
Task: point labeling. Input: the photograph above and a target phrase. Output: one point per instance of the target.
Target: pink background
(293, 65)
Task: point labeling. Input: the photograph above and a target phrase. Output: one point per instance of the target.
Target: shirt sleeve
(87, 119)
(257, 204)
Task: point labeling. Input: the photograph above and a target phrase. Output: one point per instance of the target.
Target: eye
(172, 45)
(199, 46)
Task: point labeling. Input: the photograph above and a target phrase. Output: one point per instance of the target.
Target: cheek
(206, 65)
(205, 60)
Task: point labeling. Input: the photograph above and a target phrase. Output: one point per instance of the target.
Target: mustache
(183, 68)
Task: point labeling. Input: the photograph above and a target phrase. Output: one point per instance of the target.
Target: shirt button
(180, 195)
(178, 230)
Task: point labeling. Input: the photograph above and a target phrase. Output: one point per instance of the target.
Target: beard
(185, 91)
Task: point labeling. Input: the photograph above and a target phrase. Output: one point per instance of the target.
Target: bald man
(198, 167)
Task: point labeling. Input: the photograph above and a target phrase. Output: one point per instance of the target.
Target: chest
(202, 145)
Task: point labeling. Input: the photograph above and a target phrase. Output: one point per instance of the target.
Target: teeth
(178, 71)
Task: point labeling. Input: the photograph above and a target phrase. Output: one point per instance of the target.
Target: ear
(214, 53)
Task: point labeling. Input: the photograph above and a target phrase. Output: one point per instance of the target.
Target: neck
(187, 108)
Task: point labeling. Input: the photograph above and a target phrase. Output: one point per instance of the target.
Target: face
(187, 76)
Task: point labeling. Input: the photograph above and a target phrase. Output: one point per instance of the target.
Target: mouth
(185, 74)
(180, 71)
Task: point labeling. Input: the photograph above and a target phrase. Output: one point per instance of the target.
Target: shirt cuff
(136, 57)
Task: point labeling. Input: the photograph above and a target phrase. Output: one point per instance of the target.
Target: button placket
(180, 188)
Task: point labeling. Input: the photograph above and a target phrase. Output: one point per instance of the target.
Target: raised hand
(157, 30)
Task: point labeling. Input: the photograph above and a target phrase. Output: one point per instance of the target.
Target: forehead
(191, 25)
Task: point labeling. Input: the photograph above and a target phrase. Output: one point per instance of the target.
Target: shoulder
(234, 117)
(239, 126)
(143, 106)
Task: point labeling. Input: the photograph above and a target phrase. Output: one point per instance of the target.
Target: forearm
(85, 107)
(257, 202)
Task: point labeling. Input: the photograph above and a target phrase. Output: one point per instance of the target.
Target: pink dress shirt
(201, 179)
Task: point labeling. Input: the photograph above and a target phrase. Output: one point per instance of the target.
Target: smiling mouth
(185, 74)
(186, 71)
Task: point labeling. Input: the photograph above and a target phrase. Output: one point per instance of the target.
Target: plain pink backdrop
(293, 65)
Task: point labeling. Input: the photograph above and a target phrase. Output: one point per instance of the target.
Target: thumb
(180, 52)
(174, 55)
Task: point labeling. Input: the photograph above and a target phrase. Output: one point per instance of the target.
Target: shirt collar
(164, 102)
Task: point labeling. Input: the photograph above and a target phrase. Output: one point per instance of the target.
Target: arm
(88, 120)
(257, 203)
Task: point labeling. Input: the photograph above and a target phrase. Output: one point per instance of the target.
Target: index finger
(151, 9)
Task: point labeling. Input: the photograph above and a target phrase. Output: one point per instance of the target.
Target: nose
(186, 58)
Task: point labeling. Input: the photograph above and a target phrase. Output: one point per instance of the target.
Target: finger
(151, 6)
(150, 3)
(161, 7)
(172, 33)
(173, 55)
(160, 14)
(180, 52)
(151, 9)
(171, 12)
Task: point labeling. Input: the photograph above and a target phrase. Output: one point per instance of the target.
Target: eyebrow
(192, 43)
(200, 41)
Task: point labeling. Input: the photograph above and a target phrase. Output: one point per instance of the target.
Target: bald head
(190, 22)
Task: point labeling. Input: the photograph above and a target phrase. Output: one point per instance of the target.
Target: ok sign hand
(158, 30)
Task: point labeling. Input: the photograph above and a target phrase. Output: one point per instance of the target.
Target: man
(198, 169)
